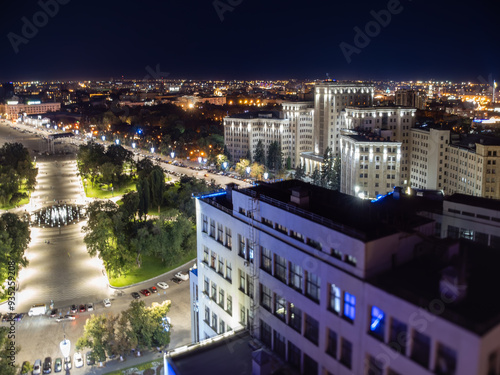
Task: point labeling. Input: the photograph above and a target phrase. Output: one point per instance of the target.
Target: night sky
(256, 39)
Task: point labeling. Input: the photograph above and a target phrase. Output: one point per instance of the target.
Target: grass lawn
(151, 267)
(141, 367)
(97, 192)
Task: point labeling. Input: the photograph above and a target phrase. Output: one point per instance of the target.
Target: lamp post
(248, 171)
(152, 150)
(172, 154)
(266, 175)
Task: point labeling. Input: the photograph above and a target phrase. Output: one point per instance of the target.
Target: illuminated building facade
(301, 117)
(14, 109)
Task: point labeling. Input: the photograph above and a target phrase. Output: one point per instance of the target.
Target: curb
(163, 274)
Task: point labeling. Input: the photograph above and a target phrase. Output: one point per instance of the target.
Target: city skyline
(397, 40)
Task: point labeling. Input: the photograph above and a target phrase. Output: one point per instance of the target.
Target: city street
(61, 270)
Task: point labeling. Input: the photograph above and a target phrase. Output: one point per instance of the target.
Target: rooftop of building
(377, 107)
(333, 82)
(428, 127)
(469, 142)
(491, 204)
(258, 114)
(476, 266)
(229, 355)
(369, 138)
(353, 216)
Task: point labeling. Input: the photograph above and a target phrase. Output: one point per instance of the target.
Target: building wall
(31, 109)
(301, 117)
(370, 167)
(429, 149)
(330, 99)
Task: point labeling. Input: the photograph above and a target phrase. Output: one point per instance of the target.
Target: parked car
(90, 306)
(47, 365)
(145, 292)
(66, 317)
(182, 276)
(58, 365)
(67, 363)
(83, 308)
(90, 358)
(37, 367)
(77, 358)
(153, 289)
(136, 295)
(54, 313)
(74, 309)
(106, 302)
(176, 280)
(162, 285)
(18, 317)
(26, 368)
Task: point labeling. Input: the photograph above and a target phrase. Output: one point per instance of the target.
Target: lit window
(377, 323)
(334, 298)
(349, 306)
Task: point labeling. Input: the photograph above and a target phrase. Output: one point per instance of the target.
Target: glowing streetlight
(103, 138)
(248, 170)
(266, 175)
(133, 144)
(152, 150)
(172, 154)
(117, 141)
(199, 159)
(224, 165)
(356, 189)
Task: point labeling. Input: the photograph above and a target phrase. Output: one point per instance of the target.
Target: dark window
(346, 353)
(310, 365)
(398, 336)
(205, 254)
(221, 266)
(242, 315)
(377, 323)
(267, 222)
(265, 333)
(206, 285)
(242, 280)
(221, 298)
(446, 360)
(281, 228)
(295, 320)
(331, 343)
(311, 331)
(207, 315)
(279, 344)
(214, 292)
(336, 254)
(229, 271)
(280, 268)
(375, 367)
(298, 236)
(295, 280)
(266, 297)
(313, 286)
(313, 243)
(421, 348)
(294, 355)
(242, 250)
(280, 307)
(229, 305)
(205, 224)
(213, 259)
(212, 228)
(228, 243)
(220, 232)
(266, 262)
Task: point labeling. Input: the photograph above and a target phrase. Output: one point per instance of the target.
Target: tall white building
(428, 157)
(13, 109)
(338, 285)
(301, 117)
(370, 165)
(393, 123)
(242, 132)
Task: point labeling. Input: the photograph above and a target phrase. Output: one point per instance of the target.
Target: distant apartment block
(301, 117)
(410, 98)
(370, 165)
(429, 149)
(242, 133)
(12, 110)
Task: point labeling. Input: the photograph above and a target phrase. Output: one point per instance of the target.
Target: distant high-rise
(410, 98)
(6, 91)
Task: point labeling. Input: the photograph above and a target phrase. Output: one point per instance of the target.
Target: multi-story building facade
(410, 98)
(330, 100)
(473, 167)
(370, 165)
(319, 278)
(242, 133)
(428, 157)
(301, 117)
(393, 123)
(13, 110)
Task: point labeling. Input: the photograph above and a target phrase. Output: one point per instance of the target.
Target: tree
(157, 186)
(316, 177)
(300, 172)
(144, 196)
(274, 156)
(227, 153)
(257, 170)
(220, 160)
(241, 167)
(95, 334)
(336, 178)
(260, 153)
(8, 351)
(327, 168)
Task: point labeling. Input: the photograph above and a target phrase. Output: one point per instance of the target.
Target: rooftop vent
(300, 197)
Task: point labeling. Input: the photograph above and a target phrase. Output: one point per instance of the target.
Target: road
(63, 271)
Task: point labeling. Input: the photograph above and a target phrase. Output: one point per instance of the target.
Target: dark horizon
(403, 40)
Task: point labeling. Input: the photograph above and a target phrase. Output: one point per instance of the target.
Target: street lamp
(224, 165)
(133, 144)
(248, 170)
(117, 141)
(199, 159)
(103, 138)
(172, 154)
(152, 150)
(266, 175)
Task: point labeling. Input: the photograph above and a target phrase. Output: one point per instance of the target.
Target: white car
(106, 302)
(162, 285)
(78, 360)
(182, 276)
(37, 368)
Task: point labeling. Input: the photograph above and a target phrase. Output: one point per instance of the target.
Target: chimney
(300, 197)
